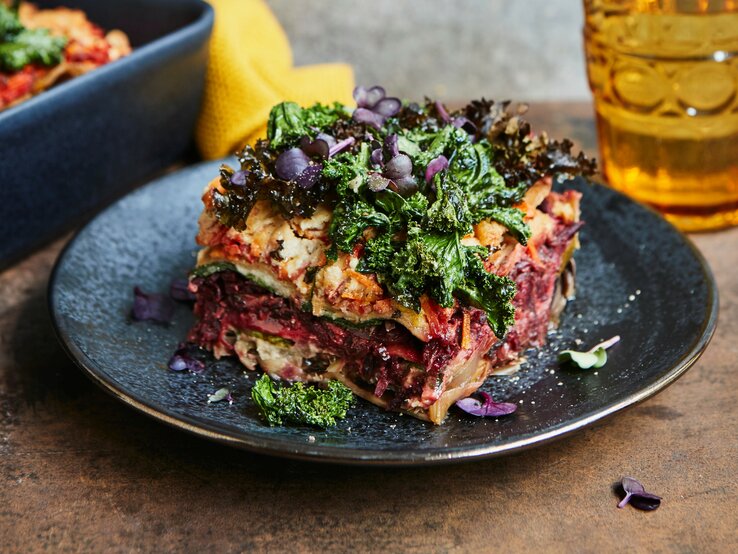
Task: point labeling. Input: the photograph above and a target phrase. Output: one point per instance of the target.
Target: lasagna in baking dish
(399, 248)
(39, 48)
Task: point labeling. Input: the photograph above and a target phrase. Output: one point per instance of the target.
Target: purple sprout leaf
(291, 163)
(368, 97)
(398, 167)
(388, 107)
(377, 157)
(406, 185)
(364, 115)
(179, 290)
(462, 122)
(391, 146)
(341, 146)
(487, 407)
(152, 307)
(442, 113)
(373, 108)
(220, 394)
(310, 176)
(437, 164)
(327, 138)
(377, 183)
(646, 501)
(184, 359)
(239, 178)
(317, 148)
(636, 495)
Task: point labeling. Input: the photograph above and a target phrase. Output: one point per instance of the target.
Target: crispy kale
(288, 122)
(301, 404)
(438, 264)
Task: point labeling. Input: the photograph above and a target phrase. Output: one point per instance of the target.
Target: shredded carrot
(466, 331)
(533, 251)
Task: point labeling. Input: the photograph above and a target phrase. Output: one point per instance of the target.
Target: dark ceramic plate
(638, 278)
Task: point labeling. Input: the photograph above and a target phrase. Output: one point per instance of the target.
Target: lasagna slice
(86, 47)
(411, 255)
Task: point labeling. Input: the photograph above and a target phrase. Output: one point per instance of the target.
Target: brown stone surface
(82, 472)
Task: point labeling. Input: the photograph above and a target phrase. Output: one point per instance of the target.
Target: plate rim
(354, 456)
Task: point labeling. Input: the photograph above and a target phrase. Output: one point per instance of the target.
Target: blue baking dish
(76, 147)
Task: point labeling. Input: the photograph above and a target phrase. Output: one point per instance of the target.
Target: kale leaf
(288, 122)
(450, 211)
(301, 404)
(438, 264)
(512, 218)
(491, 293)
(348, 170)
(350, 220)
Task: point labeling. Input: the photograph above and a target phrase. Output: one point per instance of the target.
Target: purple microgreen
(442, 113)
(391, 146)
(462, 122)
(291, 163)
(317, 148)
(398, 167)
(184, 358)
(179, 290)
(595, 357)
(487, 407)
(377, 183)
(152, 307)
(309, 176)
(636, 495)
(388, 107)
(364, 115)
(368, 97)
(220, 394)
(339, 147)
(373, 108)
(327, 138)
(405, 185)
(377, 157)
(239, 178)
(437, 164)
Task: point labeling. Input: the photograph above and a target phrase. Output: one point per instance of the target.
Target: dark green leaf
(449, 213)
(288, 122)
(285, 124)
(208, 269)
(512, 218)
(491, 293)
(301, 404)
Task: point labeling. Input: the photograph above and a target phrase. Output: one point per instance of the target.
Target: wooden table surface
(82, 472)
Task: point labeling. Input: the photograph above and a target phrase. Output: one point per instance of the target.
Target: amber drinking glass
(664, 76)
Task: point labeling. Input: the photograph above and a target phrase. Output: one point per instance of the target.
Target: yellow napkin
(250, 70)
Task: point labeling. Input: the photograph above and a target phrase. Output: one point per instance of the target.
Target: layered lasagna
(403, 249)
(41, 47)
